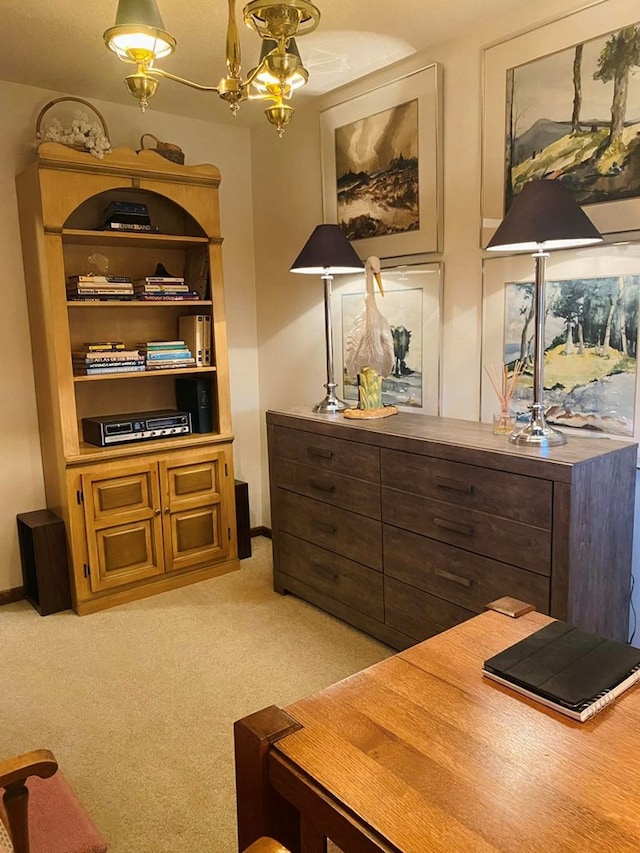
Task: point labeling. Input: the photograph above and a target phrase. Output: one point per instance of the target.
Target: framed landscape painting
(382, 165)
(411, 306)
(563, 101)
(592, 299)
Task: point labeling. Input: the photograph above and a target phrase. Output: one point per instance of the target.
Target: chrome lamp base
(331, 403)
(537, 433)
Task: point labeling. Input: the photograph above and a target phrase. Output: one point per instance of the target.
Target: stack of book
(127, 216)
(106, 357)
(98, 288)
(162, 287)
(195, 330)
(166, 355)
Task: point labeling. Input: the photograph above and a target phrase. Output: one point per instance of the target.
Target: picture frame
(609, 409)
(613, 218)
(418, 220)
(412, 299)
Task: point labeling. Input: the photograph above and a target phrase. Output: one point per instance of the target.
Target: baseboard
(261, 531)
(8, 596)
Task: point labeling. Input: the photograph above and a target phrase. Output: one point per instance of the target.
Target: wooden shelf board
(137, 303)
(137, 374)
(110, 238)
(92, 453)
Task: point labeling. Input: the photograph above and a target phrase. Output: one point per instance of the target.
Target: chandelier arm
(159, 72)
(233, 42)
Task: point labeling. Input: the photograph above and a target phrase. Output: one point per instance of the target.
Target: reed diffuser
(504, 385)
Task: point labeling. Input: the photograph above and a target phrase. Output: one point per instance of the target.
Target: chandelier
(139, 38)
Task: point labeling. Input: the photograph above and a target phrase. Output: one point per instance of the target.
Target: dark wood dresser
(408, 525)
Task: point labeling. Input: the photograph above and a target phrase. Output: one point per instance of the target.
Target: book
(92, 371)
(191, 328)
(189, 296)
(93, 279)
(103, 346)
(160, 279)
(128, 226)
(569, 670)
(208, 354)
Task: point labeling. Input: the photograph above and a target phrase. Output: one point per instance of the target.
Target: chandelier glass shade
(139, 38)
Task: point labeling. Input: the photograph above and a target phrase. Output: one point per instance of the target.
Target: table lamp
(326, 253)
(543, 217)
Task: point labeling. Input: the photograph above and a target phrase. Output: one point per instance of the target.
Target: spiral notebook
(564, 668)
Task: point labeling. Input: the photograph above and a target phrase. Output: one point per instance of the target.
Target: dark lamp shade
(327, 251)
(544, 216)
(139, 13)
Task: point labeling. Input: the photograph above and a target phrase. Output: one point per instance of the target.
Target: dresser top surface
(467, 441)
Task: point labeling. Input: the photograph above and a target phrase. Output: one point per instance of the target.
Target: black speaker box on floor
(194, 395)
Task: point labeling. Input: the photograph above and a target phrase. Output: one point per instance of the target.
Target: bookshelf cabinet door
(195, 517)
(123, 525)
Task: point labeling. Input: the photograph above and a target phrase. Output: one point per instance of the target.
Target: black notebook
(567, 669)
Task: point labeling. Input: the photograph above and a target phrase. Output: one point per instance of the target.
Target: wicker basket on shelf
(165, 149)
(41, 128)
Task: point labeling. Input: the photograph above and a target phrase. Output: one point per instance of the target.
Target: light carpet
(138, 702)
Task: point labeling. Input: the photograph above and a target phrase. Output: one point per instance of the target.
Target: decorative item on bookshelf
(165, 149)
(80, 133)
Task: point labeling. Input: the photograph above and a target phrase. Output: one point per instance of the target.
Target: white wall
(203, 142)
(288, 205)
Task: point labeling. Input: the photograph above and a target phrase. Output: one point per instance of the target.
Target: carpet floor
(138, 702)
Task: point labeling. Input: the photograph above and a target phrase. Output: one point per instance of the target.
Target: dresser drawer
(509, 541)
(337, 489)
(353, 536)
(418, 614)
(512, 496)
(337, 577)
(326, 454)
(461, 577)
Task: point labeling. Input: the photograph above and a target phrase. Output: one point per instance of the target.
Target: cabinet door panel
(122, 517)
(196, 527)
(126, 553)
(192, 483)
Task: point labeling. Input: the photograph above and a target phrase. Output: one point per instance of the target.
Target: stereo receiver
(137, 426)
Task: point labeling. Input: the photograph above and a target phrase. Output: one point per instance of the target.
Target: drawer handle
(456, 485)
(326, 571)
(322, 487)
(465, 529)
(319, 451)
(324, 528)
(448, 576)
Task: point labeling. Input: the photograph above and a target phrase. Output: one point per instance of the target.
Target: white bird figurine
(369, 342)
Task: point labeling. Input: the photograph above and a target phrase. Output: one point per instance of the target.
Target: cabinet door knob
(167, 510)
(157, 512)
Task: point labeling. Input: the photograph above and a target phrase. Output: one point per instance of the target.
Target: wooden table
(420, 753)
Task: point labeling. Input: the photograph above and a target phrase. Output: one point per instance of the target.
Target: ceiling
(57, 44)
